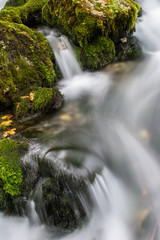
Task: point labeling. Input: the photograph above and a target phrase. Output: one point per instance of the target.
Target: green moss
(10, 172)
(83, 22)
(42, 98)
(22, 11)
(96, 54)
(22, 108)
(98, 25)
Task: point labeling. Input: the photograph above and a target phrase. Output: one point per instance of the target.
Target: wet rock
(57, 193)
(129, 49)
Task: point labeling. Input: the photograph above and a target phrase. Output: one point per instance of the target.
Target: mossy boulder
(55, 191)
(26, 62)
(89, 22)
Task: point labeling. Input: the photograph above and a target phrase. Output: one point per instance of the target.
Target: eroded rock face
(94, 26)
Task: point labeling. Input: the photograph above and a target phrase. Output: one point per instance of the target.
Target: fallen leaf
(7, 123)
(31, 96)
(8, 133)
(123, 40)
(144, 134)
(65, 117)
(24, 97)
(6, 117)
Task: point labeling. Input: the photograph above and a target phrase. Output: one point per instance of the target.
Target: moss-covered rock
(54, 191)
(60, 196)
(96, 54)
(25, 63)
(41, 100)
(28, 12)
(92, 25)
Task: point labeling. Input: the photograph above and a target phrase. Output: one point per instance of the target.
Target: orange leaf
(8, 133)
(7, 123)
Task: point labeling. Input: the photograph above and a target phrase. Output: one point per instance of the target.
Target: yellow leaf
(6, 117)
(7, 123)
(31, 96)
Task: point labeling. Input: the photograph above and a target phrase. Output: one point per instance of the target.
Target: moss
(23, 11)
(25, 62)
(22, 108)
(96, 54)
(10, 171)
(83, 22)
(88, 24)
(42, 98)
(15, 3)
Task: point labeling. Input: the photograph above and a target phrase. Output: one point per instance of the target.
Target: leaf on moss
(8, 133)
(31, 96)
(6, 123)
(6, 117)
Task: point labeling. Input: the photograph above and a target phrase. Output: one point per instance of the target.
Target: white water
(126, 130)
(2, 3)
(63, 53)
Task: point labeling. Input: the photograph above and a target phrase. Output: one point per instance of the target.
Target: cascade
(122, 126)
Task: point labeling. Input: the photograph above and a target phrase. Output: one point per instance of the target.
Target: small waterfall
(65, 58)
(2, 3)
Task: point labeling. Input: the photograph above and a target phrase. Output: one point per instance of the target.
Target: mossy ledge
(91, 24)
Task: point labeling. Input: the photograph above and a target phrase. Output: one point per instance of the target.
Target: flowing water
(115, 121)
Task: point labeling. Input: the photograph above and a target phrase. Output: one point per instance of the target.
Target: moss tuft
(43, 96)
(10, 171)
(96, 54)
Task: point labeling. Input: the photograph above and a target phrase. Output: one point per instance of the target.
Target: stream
(113, 119)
